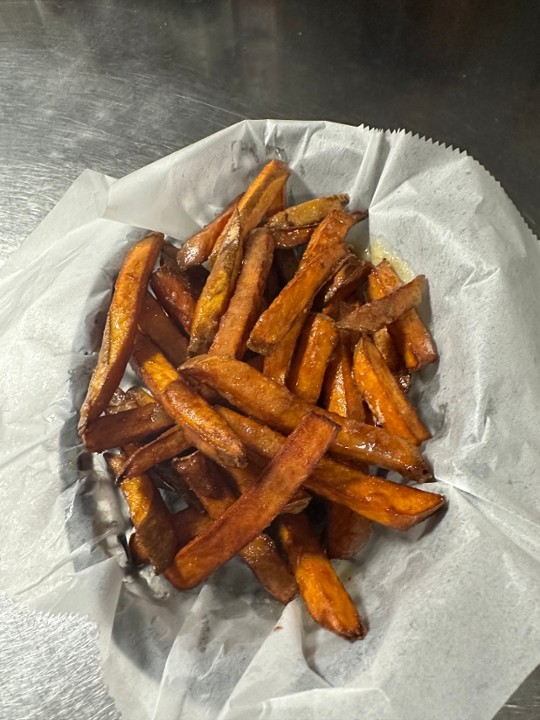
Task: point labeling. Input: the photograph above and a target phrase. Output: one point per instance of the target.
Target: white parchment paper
(452, 606)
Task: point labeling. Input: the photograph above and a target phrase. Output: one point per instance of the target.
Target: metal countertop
(112, 86)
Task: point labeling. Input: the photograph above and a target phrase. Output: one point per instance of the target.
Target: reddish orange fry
(154, 323)
(307, 213)
(219, 287)
(298, 294)
(277, 364)
(256, 509)
(313, 352)
(201, 425)
(374, 315)
(385, 345)
(292, 237)
(120, 327)
(341, 393)
(253, 393)
(169, 444)
(129, 426)
(198, 247)
(409, 333)
(346, 279)
(245, 305)
(325, 597)
(346, 531)
(149, 515)
(174, 294)
(216, 496)
(383, 394)
(388, 503)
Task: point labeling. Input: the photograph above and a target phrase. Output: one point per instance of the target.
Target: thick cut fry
(277, 364)
(129, 426)
(374, 315)
(202, 426)
(298, 294)
(316, 344)
(384, 396)
(149, 515)
(325, 597)
(174, 294)
(346, 531)
(341, 393)
(346, 279)
(307, 213)
(383, 501)
(168, 445)
(292, 237)
(256, 509)
(253, 393)
(198, 247)
(120, 327)
(156, 324)
(260, 555)
(409, 333)
(219, 287)
(385, 345)
(246, 302)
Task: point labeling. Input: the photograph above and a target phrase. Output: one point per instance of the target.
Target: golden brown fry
(341, 393)
(169, 444)
(307, 213)
(198, 247)
(298, 294)
(409, 333)
(383, 394)
(202, 426)
(325, 597)
(149, 515)
(292, 237)
(129, 426)
(315, 346)
(256, 509)
(246, 302)
(374, 315)
(346, 531)
(219, 287)
(120, 327)
(154, 323)
(216, 496)
(174, 295)
(253, 393)
(388, 503)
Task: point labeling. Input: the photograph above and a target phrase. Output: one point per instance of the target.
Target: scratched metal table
(112, 86)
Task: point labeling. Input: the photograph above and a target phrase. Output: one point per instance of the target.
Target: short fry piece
(157, 325)
(120, 327)
(315, 347)
(245, 305)
(128, 426)
(256, 509)
(346, 531)
(247, 477)
(307, 213)
(384, 396)
(326, 599)
(174, 294)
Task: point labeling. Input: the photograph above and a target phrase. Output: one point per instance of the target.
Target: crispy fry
(307, 213)
(216, 496)
(298, 294)
(129, 426)
(341, 393)
(121, 327)
(174, 294)
(346, 531)
(245, 305)
(198, 247)
(388, 503)
(374, 315)
(256, 509)
(409, 333)
(202, 426)
(156, 324)
(292, 237)
(149, 515)
(384, 396)
(169, 444)
(219, 287)
(315, 346)
(250, 391)
(325, 597)
(346, 279)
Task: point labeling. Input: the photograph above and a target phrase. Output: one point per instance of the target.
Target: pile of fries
(274, 366)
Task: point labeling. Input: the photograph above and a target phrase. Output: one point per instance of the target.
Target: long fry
(341, 393)
(174, 294)
(120, 327)
(316, 344)
(307, 213)
(129, 426)
(169, 444)
(157, 325)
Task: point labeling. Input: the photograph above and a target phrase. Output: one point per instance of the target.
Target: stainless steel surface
(113, 86)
